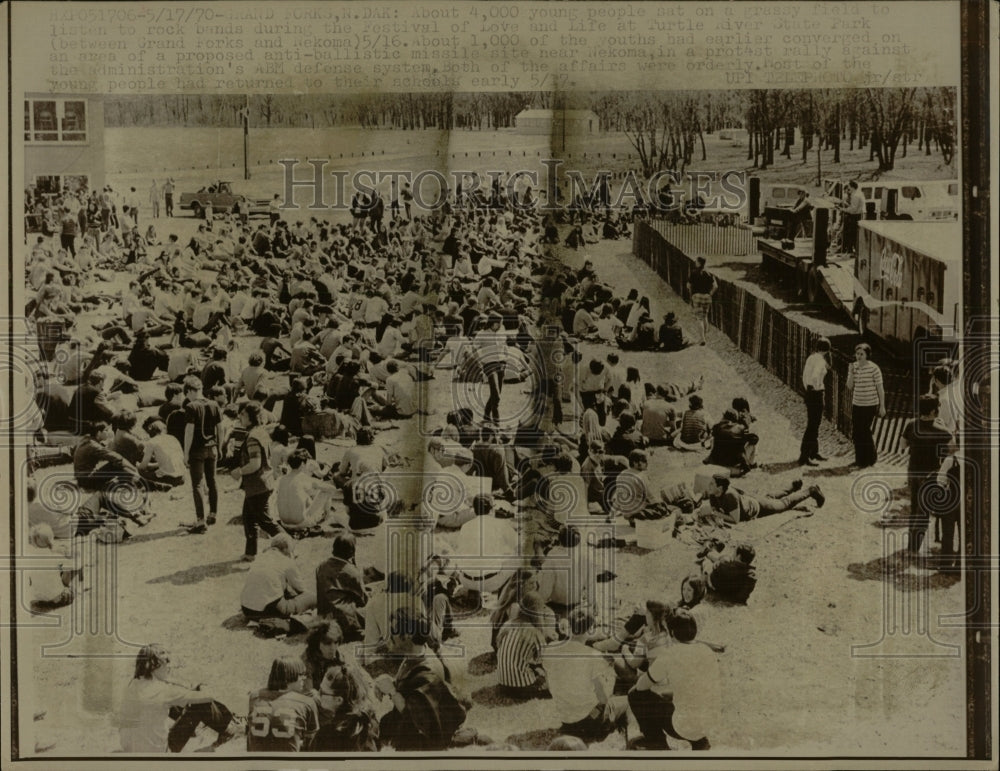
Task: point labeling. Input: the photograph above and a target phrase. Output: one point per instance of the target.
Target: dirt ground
(827, 582)
(843, 649)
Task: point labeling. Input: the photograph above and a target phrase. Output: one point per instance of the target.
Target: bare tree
(889, 110)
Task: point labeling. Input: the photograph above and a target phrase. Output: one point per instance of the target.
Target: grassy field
(193, 156)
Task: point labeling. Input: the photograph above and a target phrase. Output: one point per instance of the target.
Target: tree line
(480, 111)
(666, 128)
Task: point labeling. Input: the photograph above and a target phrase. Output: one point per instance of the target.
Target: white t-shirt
(690, 672)
(400, 390)
(572, 669)
(267, 580)
(144, 721)
(167, 453)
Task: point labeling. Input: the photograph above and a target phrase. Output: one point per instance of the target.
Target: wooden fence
(707, 239)
(778, 343)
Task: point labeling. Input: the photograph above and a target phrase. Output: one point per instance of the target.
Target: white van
(920, 201)
(917, 200)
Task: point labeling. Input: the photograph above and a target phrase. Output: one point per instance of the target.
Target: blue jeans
(202, 467)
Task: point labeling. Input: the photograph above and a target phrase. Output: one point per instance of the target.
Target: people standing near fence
(864, 381)
(814, 380)
(701, 285)
(932, 451)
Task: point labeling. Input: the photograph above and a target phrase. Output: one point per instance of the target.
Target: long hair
(285, 670)
(150, 658)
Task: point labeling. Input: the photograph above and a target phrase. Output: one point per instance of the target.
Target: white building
(557, 122)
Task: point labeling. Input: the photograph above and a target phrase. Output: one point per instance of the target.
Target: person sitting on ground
(737, 506)
(125, 441)
(303, 501)
(634, 496)
(686, 678)
(111, 478)
(144, 358)
(696, 426)
(490, 461)
(284, 716)
(566, 577)
(608, 325)
(659, 419)
(90, 403)
(43, 512)
(152, 701)
(427, 710)
(584, 326)
(48, 588)
(671, 335)
(361, 470)
(400, 392)
(347, 716)
(519, 644)
(644, 642)
(163, 457)
(340, 589)
(323, 650)
(626, 437)
(733, 446)
(581, 682)
(274, 587)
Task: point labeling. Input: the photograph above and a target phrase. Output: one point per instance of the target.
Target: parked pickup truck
(223, 199)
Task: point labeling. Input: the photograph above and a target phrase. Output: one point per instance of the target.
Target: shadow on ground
(904, 571)
(200, 573)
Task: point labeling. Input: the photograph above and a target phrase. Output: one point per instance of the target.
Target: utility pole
(245, 112)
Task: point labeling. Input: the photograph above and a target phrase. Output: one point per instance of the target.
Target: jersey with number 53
(281, 721)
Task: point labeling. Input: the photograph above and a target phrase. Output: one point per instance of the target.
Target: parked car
(222, 198)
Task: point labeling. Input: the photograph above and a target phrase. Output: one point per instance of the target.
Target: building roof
(941, 241)
(565, 114)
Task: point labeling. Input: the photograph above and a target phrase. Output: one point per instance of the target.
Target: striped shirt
(694, 426)
(519, 646)
(867, 381)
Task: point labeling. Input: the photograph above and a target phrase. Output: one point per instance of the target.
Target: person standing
(168, 197)
(202, 439)
(255, 478)
(814, 380)
(701, 286)
(932, 451)
(864, 381)
(853, 213)
(491, 346)
(69, 230)
(154, 200)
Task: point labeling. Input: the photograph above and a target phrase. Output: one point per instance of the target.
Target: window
(55, 120)
(50, 185)
(909, 192)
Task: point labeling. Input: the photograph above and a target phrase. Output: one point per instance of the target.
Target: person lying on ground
(737, 506)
